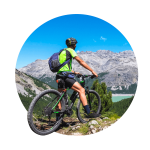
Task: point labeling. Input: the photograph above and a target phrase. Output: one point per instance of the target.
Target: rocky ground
(77, 128)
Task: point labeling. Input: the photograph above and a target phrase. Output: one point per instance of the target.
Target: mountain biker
(69, 52)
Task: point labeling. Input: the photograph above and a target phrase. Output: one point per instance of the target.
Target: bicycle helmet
(71, 41)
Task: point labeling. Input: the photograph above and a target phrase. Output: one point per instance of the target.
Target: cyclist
(69, 52)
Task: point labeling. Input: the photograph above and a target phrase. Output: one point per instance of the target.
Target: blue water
(118, 98)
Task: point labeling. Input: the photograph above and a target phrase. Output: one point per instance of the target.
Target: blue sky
(91, 33)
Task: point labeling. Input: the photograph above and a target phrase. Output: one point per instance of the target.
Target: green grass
(84, 129)
(110, 115)
(99, 122)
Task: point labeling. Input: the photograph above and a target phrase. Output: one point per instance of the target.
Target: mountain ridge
(121, 67)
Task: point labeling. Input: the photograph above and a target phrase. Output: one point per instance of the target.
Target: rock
(106, 118)
(105, 127)
(75, 127)
(99, 119)
(93, 122)
(91, 127)
(100, 128)
(89, 132)
(77, 134)
(93, 130)
(28, 85)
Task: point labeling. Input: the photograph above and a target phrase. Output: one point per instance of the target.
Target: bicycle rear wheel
(94, 102)
(42, 112)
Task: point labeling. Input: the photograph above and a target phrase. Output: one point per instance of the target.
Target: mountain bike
(43, 108)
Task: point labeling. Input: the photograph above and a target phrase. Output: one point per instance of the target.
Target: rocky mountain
(120, 69)
(25, 83)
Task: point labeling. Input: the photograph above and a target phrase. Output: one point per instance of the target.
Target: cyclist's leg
(77, 87)
(60, 89)
(74, 85)
(59, 104)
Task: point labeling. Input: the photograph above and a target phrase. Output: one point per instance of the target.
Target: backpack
(54, 63)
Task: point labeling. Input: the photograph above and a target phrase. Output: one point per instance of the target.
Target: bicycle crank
(69, 112)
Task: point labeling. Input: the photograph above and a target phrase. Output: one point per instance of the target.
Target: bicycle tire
(30, 111)
(95, 106)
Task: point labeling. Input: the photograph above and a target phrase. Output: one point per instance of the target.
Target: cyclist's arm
(72, 71)
(75, 72)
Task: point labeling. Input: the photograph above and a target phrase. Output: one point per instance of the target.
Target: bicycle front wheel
(43, 110)
(94, 102)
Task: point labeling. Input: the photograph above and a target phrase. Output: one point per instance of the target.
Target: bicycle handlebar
(84, 76)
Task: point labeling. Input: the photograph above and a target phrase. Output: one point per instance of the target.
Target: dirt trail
(77, 128)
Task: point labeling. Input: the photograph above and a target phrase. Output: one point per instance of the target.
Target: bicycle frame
(69, 107)
(74, 98)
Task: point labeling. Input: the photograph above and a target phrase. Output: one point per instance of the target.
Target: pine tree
(106, 98)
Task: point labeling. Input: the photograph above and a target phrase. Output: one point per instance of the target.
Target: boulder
(92, 129)
(93, 122)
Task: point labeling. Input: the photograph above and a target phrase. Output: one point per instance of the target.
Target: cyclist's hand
(78, 73)
(94, 73)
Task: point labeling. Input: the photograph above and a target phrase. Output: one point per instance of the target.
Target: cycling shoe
(92, 115)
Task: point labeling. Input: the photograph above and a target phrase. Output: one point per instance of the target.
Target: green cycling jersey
(64, 55)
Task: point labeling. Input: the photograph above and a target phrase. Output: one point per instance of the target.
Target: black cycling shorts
(68, 82)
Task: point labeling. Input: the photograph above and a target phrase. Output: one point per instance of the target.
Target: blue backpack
(54, 63)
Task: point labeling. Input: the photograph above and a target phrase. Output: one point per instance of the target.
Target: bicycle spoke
(43, 117)
(51, 101)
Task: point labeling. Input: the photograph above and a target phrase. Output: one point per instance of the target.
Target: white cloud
(102, 38)
(78, 51)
